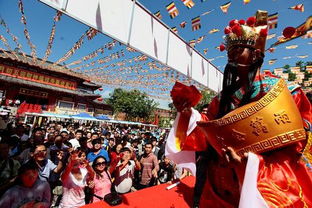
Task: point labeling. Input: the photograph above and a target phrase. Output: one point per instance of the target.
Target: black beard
(230, 85)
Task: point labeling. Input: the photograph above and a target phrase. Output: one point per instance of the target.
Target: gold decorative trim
(307, 154)
(272, 122)
(271, 143)
(264, 101)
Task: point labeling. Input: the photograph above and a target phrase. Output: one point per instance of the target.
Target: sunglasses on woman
(100, 163)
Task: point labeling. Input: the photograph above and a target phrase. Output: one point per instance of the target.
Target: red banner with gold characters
(36, 77)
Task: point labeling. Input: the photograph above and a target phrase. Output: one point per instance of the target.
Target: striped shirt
(148, 162)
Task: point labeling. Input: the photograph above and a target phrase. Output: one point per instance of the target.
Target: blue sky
(237, 10)
(68, 31)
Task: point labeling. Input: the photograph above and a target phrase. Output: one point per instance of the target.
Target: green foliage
(286, 66)
(300, 64)
(307, 75)
(206, 99)
(308, 63)
(164, 122)
(291, 76)
(173, 110)
(134, 103)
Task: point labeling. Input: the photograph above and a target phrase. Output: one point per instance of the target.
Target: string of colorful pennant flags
(103, 65)
(26, 33)
(56, 18)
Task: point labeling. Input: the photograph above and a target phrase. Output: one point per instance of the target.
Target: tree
(286, 67)
(307, 75)
(164, 122)
(291, 76)
(206, 99)
(308, 63)
(134, 104)
(299, 63)
(173, 110)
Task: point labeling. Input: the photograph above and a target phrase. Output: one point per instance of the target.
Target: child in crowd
(166, 171)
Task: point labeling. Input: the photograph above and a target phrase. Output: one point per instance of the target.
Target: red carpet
(157, 196)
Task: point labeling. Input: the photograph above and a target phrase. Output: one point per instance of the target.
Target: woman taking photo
(75, 177)
(102, 181)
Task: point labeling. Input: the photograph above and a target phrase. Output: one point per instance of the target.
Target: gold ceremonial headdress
(251, 33)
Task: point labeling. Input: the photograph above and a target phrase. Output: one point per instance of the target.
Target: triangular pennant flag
(299, 7)
(291, 47)
(188, 3)
(182, 24)
(271, 36)
(205, 51)
(213, 31)
(174, 29)
(201, 38)
(272, 20)
(304, 56)
(272, 61)
(91, 33)
(225, 7)
(172, 10)
(246, 1)
(158, 15)
(196, 23)
(192, 43)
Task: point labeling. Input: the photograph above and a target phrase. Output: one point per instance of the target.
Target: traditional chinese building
(164, 113)
(43, 86)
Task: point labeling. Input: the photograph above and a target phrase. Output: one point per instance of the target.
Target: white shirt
(125, 185)
(73, 191)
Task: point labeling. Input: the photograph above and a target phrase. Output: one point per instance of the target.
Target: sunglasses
(100, 163)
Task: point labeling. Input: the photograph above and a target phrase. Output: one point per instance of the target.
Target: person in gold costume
(256, 131)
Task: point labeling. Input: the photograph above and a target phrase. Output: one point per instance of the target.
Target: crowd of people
(66, 164)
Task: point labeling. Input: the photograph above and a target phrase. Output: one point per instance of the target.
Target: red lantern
(101, 89)
(289, 31)
(227, 30)
(237, 30)
(233, 22)
(242, 22)
(222, 47)
(251, 21)
(100, 99)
